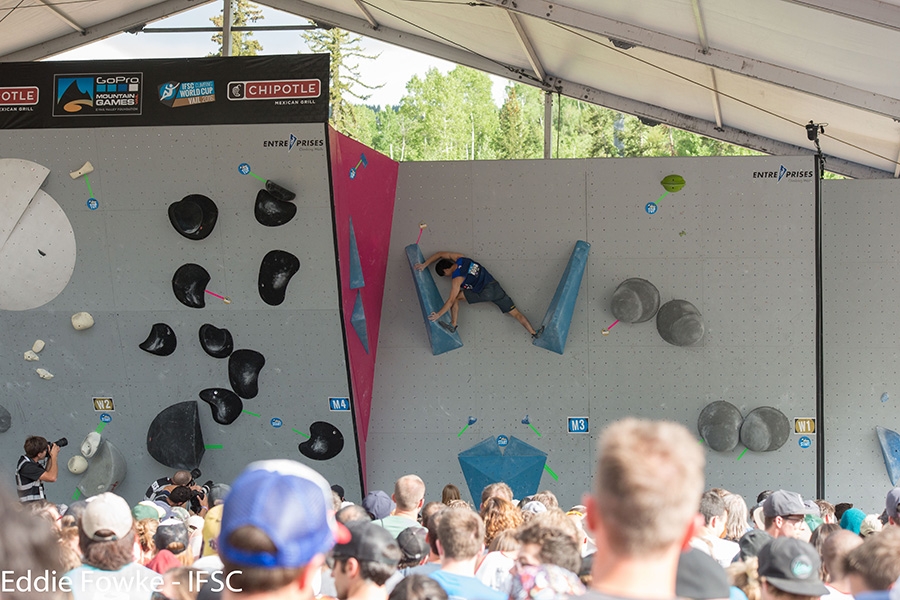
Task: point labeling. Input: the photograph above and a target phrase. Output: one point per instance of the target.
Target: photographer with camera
(39, 464)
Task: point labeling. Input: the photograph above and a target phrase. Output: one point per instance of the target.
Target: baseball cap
(792, 566)
(892, 502)
(107, 512)
(700, 577)
(752, 542)
(369, 542)
(378, 504)
(287, 501)
(170, 532)
(412, 543)
(782, 503)
(141, 511)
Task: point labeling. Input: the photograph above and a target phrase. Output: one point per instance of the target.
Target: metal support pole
(548, 123)
(227, 19)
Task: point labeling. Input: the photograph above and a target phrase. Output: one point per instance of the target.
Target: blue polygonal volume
(356, 275)
(559, 314)
(890, 451)
(358, 321)
(441, 339)
(518, 464)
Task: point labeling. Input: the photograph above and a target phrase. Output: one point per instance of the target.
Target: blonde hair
(736, 524)
(744, 576)
(648, 484)
(146, 529)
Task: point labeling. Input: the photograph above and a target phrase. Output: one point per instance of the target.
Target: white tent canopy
(751, 73)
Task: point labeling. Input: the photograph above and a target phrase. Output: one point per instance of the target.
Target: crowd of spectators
(648, 530)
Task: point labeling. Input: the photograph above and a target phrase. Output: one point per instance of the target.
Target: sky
(394, 67)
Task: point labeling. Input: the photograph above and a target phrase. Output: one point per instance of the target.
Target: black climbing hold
(194, 216)
(41, 252)
(280, 193)
(226, 405)
(189, 284)
(326, 441)
(216, 342)
(243, 372)
(272, 212)
(161, 341)
(174, 437)
(765, 429)
(275, 273)
(720, 425)
(5, 419)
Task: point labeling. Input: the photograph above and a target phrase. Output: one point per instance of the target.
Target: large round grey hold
(719, 425)
(765, 429)
(680, 323)
(5, 419)
(635, 301)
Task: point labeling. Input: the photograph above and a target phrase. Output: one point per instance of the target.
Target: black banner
(184, 91)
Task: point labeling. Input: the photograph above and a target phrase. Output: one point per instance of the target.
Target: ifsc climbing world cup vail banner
(184, 91)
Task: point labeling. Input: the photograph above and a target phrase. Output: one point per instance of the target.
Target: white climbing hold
(30, 356)
(44, 373)
(37, 346)
(82, 320)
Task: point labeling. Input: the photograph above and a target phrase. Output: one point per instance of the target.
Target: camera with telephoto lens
(61, 442)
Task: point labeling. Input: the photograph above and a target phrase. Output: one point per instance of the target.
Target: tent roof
(750, 73)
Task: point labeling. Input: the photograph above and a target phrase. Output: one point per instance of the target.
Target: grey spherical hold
(719, 425)
(680, 323)
(635, 301)
(5, 419)
(765, 429)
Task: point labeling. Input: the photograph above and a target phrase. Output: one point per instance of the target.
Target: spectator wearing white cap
(107, 540)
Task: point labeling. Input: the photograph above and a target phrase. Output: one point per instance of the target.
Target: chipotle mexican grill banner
(184, 91)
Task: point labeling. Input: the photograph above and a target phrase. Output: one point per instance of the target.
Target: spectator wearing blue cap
(277, 526)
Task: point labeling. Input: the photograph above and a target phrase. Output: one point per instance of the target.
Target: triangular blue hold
(559, 314)
(519, 465)
(358, 320)
(430, 301)
(356, 276)
(890, 450)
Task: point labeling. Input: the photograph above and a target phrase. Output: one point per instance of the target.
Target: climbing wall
(737, 242)
(129, 252)
(862, 379)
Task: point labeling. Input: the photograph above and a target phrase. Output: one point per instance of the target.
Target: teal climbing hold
(358, 321)
(559, 314)
(439, 336)
(356, 275)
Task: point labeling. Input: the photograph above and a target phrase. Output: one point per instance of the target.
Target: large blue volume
(519, 465)
(890, 451)
(430, 301)
(559, 315)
